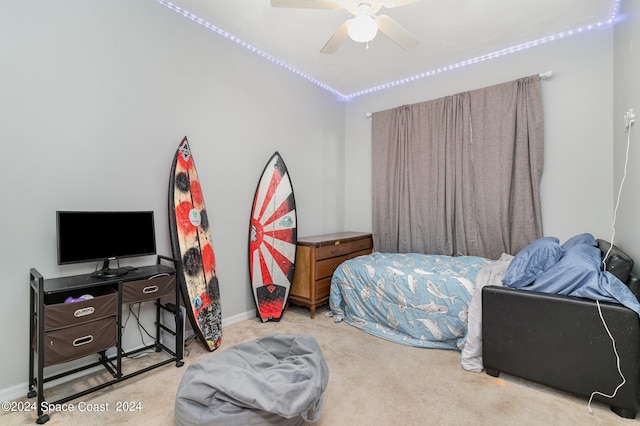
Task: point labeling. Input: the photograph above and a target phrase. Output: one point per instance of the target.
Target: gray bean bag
(276, 379)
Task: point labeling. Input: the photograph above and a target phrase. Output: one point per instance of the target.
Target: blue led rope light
(499, 53)
(247, 46)
(612, 20)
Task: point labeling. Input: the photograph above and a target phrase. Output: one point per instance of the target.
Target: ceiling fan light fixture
(362, 28)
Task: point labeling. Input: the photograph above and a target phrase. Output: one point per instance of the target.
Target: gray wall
(94, 99)
(626, 96)
(577, 181)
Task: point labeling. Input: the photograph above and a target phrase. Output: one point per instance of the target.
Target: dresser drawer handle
(83, 340)
(84, 312)
(150, 289)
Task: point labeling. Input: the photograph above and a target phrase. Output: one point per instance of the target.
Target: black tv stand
(91, 327)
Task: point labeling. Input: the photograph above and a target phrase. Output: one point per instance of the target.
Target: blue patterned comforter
(413, 299)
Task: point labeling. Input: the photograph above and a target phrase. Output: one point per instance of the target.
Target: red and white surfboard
(272, 240)
(192, 244)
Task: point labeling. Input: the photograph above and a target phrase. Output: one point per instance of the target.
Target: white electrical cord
(604, 265)
(615, 350)
(615, 210)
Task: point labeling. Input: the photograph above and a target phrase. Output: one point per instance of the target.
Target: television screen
(85, 236)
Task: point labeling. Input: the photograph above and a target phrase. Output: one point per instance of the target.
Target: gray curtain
(460, 175)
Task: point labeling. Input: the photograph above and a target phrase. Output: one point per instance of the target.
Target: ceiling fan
(365, 24)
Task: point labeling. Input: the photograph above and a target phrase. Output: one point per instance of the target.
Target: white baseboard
(14, 392)
(239, 317)
(20, 390)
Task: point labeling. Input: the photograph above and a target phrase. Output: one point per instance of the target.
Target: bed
(412, 299)
(434, 301)
(537, 315)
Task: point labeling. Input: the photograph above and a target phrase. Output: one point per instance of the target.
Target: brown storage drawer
(58, 314)
(332, 251)
(153, 288)
(66, 344)
(325, 268)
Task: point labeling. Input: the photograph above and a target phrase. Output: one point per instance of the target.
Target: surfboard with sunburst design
(272, 240)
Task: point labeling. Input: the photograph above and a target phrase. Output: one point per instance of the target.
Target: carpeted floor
(372, 382)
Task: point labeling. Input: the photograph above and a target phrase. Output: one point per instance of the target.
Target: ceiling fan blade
(395, 3)
(336, 39)
(306, 4)
(396, 32)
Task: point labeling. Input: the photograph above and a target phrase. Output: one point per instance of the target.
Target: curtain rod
(543, 76)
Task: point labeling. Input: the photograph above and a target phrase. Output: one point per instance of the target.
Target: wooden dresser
(316, 259)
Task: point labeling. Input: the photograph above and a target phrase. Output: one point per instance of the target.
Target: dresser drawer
(360, 253)
(323, 287)
(152, 288)
(326, 267)
(58, 314)
(332, 250)
(66, 344)
(362, 244)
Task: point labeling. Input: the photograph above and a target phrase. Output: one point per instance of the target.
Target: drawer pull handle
(164, 274)
(150, 289)
(84, 312)
(83, 340)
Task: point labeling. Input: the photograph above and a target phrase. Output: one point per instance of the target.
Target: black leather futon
(561, 342)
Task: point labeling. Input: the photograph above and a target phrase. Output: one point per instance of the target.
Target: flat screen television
(86, 236)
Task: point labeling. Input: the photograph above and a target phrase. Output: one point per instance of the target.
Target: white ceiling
(449, 31)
